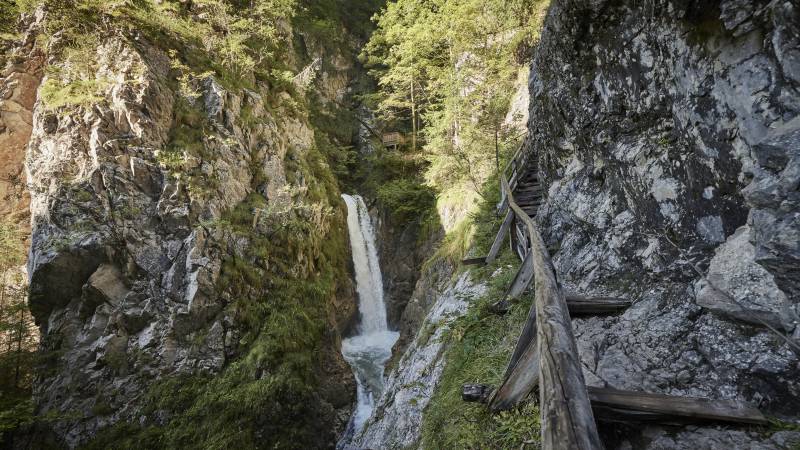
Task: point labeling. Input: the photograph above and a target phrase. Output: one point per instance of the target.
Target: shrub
(406, 199)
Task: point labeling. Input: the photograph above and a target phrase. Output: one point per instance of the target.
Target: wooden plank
(642, 406)
(526, 338)
(501, 236)
(521, 377)
(522, 279)
(612, 405)
(522, 372)
(567, 418)
(477, 261)
(579, 304)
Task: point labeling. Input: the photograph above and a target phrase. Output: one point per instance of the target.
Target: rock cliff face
(397, 420)
(157, 224)
(669, 135)
(20, 78)
(403, 252)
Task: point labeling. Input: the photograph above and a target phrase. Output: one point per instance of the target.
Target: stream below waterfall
(368, 351)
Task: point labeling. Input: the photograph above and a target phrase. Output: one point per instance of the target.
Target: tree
(17, 333)
(447, 70)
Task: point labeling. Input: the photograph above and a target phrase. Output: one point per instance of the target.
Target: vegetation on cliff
(17, 336)
(477, 349)
(446, 72)
(283, 269)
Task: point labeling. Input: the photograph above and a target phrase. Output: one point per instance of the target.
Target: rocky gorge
(189, 262)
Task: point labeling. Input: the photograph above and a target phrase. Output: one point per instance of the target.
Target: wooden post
(498, 240)
(522, 373)
(567, 419)
(522, 279)
(413, 115)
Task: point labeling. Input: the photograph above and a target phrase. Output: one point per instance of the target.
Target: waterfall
(368, 351)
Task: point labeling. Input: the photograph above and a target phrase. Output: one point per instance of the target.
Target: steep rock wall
(403, 251)
(397, 420)
(158, 240)
(668, 134)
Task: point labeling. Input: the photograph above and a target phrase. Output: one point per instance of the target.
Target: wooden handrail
(567, 419)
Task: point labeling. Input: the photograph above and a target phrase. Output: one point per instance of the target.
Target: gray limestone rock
(660, 129)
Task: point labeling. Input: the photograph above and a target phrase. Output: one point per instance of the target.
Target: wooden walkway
(546, 353)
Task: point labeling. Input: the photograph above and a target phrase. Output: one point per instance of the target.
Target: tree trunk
(20, 331)
(413, 116)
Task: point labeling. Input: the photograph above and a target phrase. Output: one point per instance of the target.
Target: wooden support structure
(496, 245)
(546, 353)
(579, 304)
(501, 236)
(522, 279)
(613, 405)
(522, 373)
(628, 406)
(567, 419)
(478, 261)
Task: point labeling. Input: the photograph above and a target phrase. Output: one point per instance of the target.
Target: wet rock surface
(402, 253)
(397, 420)
(667, 133)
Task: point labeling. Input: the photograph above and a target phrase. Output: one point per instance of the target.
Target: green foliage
(328, 14)
(449, 68)
(11, 249)
(406, 199)
(238, 42)
(478, 347)
(17, 334)
(9, 11)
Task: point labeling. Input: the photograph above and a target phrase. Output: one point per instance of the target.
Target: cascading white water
(368, 351)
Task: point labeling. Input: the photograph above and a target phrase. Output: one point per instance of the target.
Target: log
(618, 406)
(567, 418)
(498, 240)
(629, 406)
(477, 261)
(476, 393)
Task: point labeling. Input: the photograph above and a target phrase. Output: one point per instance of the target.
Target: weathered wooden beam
(617, 405)
(579, 304)
(613, 405)
(522, 279)
(520, 379)
(477, 261)
(501, 236)
(495, 249)
(567, 419)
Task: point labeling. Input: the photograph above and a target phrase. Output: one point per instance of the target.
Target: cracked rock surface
(667, 132)
(125, 262)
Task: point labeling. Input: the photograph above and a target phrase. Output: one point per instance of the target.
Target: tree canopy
(446, 71)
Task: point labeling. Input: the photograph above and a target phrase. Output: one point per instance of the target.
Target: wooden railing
(512, 172)
(546, 352)
(566, 412)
